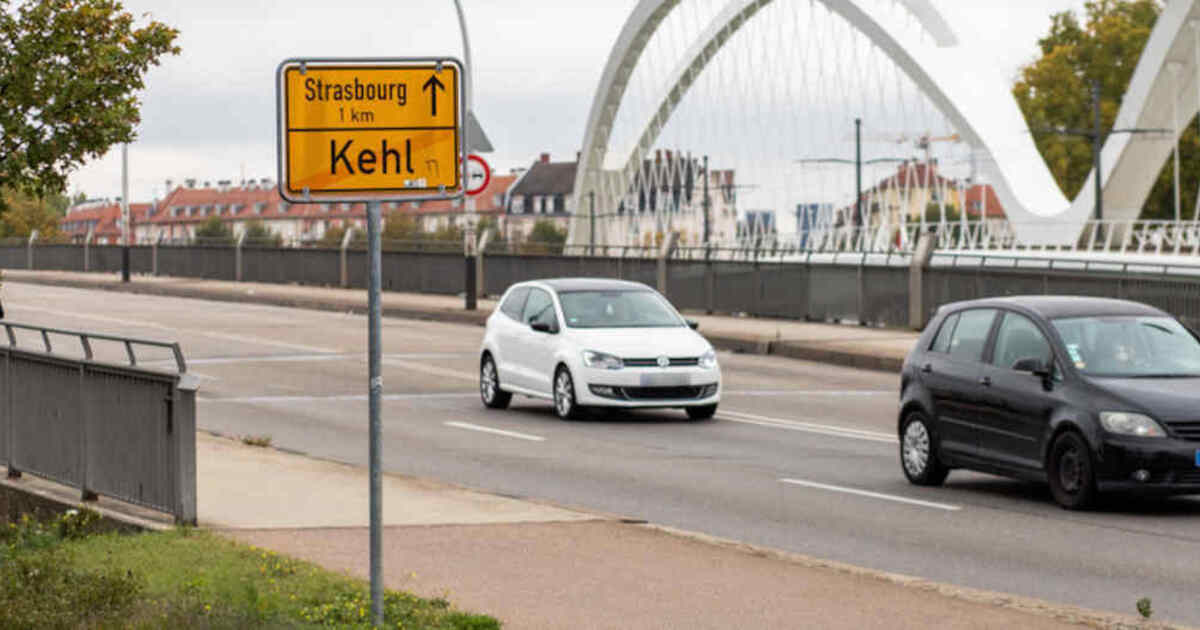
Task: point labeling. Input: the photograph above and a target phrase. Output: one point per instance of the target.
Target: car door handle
(927, 368)
(986, 381)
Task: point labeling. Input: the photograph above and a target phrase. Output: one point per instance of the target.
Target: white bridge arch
(975, 98)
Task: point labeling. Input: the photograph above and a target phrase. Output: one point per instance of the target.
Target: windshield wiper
(1163, 376)
(1159, 327)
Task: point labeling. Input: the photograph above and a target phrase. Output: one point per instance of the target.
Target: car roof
(562, 285)
(1057, 306)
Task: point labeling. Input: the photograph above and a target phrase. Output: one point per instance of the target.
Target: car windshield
(617, 309)
(1130, 346)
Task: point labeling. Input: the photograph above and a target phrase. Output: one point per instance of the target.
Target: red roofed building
(185, 209)
(101, 219)
(982, 203)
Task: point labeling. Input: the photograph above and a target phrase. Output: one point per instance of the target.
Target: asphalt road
(801, 456)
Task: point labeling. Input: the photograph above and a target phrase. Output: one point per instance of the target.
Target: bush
(213, 231)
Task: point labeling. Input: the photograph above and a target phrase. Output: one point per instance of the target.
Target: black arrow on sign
(436, 85)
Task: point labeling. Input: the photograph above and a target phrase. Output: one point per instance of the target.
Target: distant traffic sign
(479, 175)
(362, 130)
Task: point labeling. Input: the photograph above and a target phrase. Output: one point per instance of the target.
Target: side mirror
(1033, 365)
(541, 327)
(693, 324)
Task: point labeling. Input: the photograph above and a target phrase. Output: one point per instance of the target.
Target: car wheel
(564, 395)
(703, 412)
(918, 452)
(1071, 475)
(489, 385)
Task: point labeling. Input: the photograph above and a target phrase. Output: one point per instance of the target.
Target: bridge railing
(97, 420)
(766, 277)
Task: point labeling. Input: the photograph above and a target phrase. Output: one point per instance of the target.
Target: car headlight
(708, 360)
(1127, 423)
(601, 360)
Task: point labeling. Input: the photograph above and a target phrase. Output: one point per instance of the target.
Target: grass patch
(65, 574)
(261, 441)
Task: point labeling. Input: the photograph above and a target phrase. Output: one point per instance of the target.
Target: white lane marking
(432, 369)
(268, 400)
(873, 495)
(204, 333)
(512, 434)
(306, 358)
(99, 318)
(807, 392)
(809, 427)
(261, 341)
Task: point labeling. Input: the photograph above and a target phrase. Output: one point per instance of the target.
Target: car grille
(1188, 477)
(653, 362)
(680, 392)
(1189, 431)
(684, 392)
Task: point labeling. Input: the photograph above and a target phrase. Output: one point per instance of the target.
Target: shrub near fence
(875, 294)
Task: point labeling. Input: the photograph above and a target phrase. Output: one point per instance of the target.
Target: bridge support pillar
(917, 309)
(668, 248)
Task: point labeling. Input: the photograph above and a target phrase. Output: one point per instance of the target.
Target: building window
(326, 207)
(560, 204)
(283, 207)
(258, 208)
(518, 204)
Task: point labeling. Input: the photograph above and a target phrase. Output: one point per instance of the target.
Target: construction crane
(923, 142)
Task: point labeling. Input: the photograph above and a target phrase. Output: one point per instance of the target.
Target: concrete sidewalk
(535, 565)
(849, 345)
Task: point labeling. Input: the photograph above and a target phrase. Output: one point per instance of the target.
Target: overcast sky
(209, 113)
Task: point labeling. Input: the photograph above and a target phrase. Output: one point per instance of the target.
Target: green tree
(257, 233)
(1054, 92)
(933, 213)
(26, 213)
(70, 71)
(332, 239)
(401, 227)
(546, 236)
(213, 231)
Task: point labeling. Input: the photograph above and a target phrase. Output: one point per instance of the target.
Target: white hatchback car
(596, 343)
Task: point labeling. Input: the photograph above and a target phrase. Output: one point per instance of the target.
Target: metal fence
(108, 429)
(871, 289)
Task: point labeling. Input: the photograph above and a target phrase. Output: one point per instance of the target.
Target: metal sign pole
(375, 355)
(125, 219)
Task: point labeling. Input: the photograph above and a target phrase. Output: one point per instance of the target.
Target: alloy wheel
(916, 448)
(564, 394)
(1070, 470)
(487, 381)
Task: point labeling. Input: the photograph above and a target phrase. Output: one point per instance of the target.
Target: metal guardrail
(109, 429)
(85, 339)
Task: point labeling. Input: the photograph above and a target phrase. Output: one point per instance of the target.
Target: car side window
(971, 333)
(1019, 338)
(514, 304)
(539, 308)
(941, 343)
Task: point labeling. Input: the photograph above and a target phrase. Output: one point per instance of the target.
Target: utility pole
(592, 219)
(1096, 135)
(125, 227)
(859, 216)
(858, 171)
(707, 227)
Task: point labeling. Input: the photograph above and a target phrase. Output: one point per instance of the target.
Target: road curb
(1060, 612)
(816, 351)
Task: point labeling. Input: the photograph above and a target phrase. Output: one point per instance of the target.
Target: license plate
(665, 380)
(1198, 458)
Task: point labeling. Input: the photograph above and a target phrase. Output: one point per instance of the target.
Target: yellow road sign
(370, 130)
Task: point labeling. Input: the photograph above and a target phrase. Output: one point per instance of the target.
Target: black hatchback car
(1089, 395)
